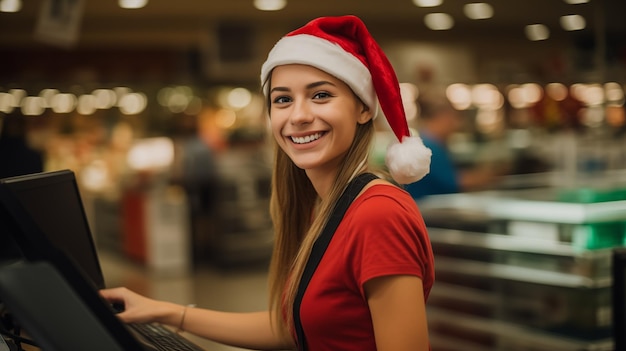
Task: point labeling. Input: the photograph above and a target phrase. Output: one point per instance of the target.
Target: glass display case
(525, 269)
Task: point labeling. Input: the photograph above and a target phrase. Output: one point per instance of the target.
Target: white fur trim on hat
(409, 160)
(329, 57)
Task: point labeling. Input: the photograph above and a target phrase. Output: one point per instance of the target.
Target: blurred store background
(156, 106)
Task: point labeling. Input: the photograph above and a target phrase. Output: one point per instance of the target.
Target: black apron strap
(320, 245)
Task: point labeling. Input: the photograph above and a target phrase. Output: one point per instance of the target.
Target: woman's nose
(301, 113)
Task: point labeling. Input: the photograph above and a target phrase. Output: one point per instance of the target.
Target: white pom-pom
(408, 161)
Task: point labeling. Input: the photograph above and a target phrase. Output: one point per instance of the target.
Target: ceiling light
(594, 95)
(10, 5)
(427, 3)
(270, 5)
(486, 96)
(439, 21)
(573, 22)
(63, 103)
(613, 92)
(557, 91)
(18, 95)
(132, 4)
(133, 103)
(459, 95)
(536, 32)
(33, 106)
(239, 98)
(532, 92)
(86, 104)
(7, 103)
(104, 98)
(576, 2)
(478, 10)
(515, 95)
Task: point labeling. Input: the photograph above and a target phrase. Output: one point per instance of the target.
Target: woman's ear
(365, 115)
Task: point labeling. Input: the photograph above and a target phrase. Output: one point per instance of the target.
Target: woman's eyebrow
(308, 86)
(317, 84)
(280, 89)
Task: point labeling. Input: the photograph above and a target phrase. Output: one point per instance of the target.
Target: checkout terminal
(50, 273)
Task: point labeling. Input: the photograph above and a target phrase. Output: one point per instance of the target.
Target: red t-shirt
(382, 234)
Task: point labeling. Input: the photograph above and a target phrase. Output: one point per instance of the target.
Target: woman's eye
(322, 95)
(281, 100)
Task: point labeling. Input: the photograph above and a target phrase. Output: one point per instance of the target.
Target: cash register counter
(523, 270)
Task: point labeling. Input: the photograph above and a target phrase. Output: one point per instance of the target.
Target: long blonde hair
(299, 215)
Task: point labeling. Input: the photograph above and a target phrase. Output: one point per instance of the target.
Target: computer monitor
(34, 246)
(9, 249)
(56, 317)
(53, 203)
(44, 215)
(619, 297)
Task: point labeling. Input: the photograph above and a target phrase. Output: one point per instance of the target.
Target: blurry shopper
(438, 121)
(322, 83)
(196, 171)
(16, 156)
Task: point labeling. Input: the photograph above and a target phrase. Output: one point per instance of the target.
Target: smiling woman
(325, 94)
(355, 279)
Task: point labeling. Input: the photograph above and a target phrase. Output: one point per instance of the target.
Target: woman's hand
(140, 309)
(252, 330)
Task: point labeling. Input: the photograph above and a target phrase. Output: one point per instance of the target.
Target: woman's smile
(306, 139)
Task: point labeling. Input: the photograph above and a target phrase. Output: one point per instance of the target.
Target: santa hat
(343, 47)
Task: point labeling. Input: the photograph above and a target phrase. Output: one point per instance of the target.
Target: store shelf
(522, 258)
(498, 334)
(501, 271)
(543, 209)
(510, 243)
(522, 271)
(464, 294)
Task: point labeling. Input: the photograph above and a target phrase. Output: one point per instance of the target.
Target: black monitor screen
(52, 200)
(10, 251)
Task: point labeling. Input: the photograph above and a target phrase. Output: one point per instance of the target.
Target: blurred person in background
(438, 121)
(322, 83)
(17, 157)
(195, 170)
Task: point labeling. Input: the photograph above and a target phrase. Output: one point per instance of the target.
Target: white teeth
(306, 139)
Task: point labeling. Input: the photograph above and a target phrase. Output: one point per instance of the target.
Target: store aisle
(242, 289)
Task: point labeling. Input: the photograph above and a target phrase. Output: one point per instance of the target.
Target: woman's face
(313, 116)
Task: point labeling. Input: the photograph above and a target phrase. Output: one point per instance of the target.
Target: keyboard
(162, 338)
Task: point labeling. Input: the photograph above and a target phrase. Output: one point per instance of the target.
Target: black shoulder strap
(320, 245)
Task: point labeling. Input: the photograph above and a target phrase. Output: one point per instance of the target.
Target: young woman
(323, 83)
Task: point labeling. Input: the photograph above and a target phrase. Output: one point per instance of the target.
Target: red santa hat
(343, 47)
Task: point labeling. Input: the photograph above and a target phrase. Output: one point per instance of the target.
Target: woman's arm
(246, 330)
(398, 313)
(251, 330)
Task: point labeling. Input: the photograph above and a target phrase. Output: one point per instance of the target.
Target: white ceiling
(103, 21)
(108, 32)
